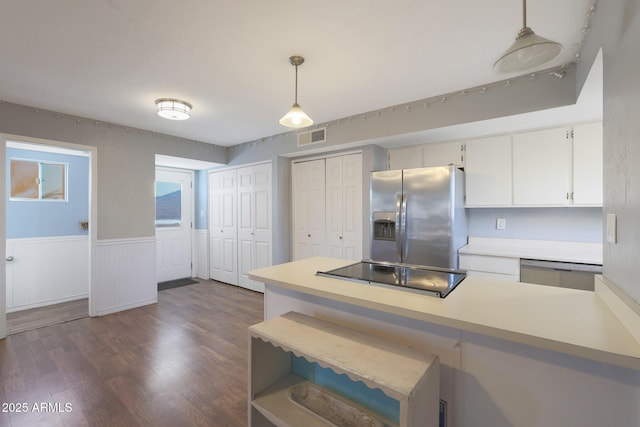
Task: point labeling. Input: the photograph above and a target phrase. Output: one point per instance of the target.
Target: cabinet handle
(308, 235)
(340, 237)
(9, 258)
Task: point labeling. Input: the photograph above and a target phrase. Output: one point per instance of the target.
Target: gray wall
(616, 29)
(126, 163)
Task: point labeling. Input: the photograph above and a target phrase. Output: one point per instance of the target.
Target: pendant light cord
(524, 13)
(296, 92)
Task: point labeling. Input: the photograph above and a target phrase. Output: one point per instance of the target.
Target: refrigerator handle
(399, 227)
(403, 225)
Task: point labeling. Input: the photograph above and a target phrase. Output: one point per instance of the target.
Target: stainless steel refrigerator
(418, 216)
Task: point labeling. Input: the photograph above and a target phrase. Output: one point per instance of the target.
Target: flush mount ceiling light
(173, 109)
(528, 51)
(296, 118)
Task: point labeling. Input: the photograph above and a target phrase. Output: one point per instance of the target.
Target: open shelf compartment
(400, 372)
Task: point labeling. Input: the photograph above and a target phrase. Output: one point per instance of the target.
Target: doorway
(174, 223)
(48, 239)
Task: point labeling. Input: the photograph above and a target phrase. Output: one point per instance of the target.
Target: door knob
(9, 258)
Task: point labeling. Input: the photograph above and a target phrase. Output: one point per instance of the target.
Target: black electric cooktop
(432, 280)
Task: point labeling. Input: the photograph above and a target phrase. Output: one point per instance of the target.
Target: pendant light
(296, 118)
(528, 51)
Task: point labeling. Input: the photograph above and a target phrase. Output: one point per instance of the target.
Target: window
(168, 204)
(36, 180)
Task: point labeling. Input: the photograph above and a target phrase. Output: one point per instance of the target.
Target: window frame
(40, 164)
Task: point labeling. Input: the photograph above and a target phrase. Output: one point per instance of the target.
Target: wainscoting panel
(46, 270)
(125, 274)
(201, 253)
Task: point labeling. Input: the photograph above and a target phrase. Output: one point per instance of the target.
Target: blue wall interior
(373, 399)
(49, 218)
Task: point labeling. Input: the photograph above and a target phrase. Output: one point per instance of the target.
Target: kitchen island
(511, 355)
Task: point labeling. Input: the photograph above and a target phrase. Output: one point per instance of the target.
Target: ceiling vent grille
(315, 136)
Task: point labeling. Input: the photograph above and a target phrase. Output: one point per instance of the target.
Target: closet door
(254, 222)
(223, 226)
(308, 189)
(344, 207)
(334, 207)
(352, 207)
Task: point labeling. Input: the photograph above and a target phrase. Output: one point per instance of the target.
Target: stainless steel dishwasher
(561, 274)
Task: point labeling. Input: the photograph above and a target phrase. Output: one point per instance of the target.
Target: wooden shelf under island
(402, 373)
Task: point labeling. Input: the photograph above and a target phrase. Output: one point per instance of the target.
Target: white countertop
(564, 320)
(549, 250)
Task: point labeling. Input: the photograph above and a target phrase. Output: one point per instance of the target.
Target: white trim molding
(201, 254)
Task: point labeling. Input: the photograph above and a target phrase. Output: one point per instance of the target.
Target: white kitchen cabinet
(308, 194)
(405, 157)
(425, 155)
(443, 154)
(495, 267)
(488, 172)
(254, 222)
(327, 207)
(223, 231)
(542, 168)
(587, 164)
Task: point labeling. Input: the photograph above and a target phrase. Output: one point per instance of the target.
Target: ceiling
(108, 60)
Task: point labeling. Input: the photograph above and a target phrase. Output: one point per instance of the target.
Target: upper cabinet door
(488, 174)
(442, 154)
(542, 168)
(405, 157)
(587, 164)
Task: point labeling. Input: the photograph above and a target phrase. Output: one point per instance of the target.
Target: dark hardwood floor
(181, 362)
(25, 320)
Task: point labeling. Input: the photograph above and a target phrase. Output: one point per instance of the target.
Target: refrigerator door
(428, 206)
(386, 200)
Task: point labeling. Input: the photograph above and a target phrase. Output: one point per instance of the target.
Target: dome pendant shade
(528, 51)
(296, 118)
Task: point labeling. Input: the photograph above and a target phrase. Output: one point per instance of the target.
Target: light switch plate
(501, 223)
(612, 232)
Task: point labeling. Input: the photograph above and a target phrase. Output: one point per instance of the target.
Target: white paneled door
(254, 222)
(174, 221)
(308, 183)
(223, 231)
(344, 207)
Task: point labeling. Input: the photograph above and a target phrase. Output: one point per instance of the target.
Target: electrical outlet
(501, 223)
